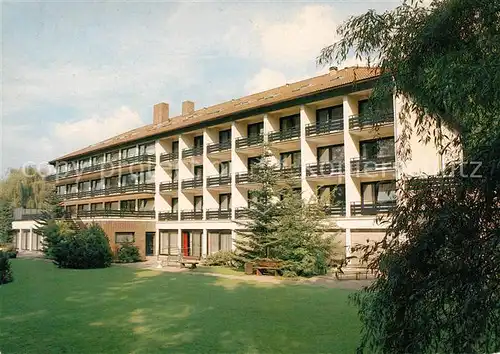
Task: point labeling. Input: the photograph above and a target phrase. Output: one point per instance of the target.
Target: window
(146, 204)
(71, 188)
(198, 203)
(253, 162)
(61, 190)
(96, 184)
(224, 201)
(329, 114)
(84, 163)
(385, 106)
(330, 153)
(219, 241)
(72, 165)
(97, 160)
(255, 129)
(129, 152)
(84, 186)
(62, 168)
(111, 205)
(290, 159)
(252, 198)
(147, 149)
(124, 237)
(96, 206)
(111, 182)
(225, 168)
(175, 147)
(332, 194)
(175, 175)
(146, 177)
(290, 122)
(128, 180)
(25, 239)
(169, 242)
(71, 209)
(377, 148)
(83, 207)
(198, 141)
(112, 156)
(175, 204)
(198, 172)
(378, 192)
(224, 136)
(127, 204)
(363, 107)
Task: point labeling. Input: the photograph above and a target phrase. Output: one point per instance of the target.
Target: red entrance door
(185, 243)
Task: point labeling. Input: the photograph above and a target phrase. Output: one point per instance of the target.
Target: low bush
(9, 249)
(5, 269)
(128, 253)
(221, 258)
(88, 248)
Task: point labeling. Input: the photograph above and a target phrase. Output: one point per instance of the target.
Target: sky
(75, 73)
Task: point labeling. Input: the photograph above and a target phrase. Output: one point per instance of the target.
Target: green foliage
(221, 258)
(53, 232)
(6, 275)
(24, 187)
(88, 248)
(6, 218)
(128, 253)
(9, 249)
(440, 260)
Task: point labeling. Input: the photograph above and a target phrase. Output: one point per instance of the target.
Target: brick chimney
(187, 107)
(160, 113)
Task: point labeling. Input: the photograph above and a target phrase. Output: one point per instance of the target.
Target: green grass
(126, 310)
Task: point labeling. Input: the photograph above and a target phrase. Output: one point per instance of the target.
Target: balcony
(218, 180)
(169, 186)
(372, 208)
(219, 147)
(284, 135)
(218, 214)
(245, 177)
(370, 119)
(331, 126)
(288, 172)
(251, 141)
(169, 157)
(192, 183)
(197, 151)
(241, 213)
(191, 215)
(325, 169)
(136, 188)
(372, 164)
(168, 216)
(151, 159)
(335, 210)
(105, 213)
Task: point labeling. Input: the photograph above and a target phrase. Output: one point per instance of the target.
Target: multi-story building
(179, 184)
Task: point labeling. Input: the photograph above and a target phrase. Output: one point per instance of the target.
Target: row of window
(191, 241)
(129, 204)
(22, 241)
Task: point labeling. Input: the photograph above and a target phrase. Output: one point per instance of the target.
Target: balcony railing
(104, 213)
(335, 210)
(171, 156)
(218, 214)
(104, 166)
(370, 119)
(372, 208)
(323, 169)
(168, 216)
(192, 183)
(136, 188)
(244, 177)
(288, 172)
(219, 180)
(241, 213)
(253, 140)
(283, 135)
(191, 215)
(330, 126)
(197, 151)
(169, 186)
(218, 147)
(372, 164)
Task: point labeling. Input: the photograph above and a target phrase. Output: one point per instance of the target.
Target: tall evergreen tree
(6, 219)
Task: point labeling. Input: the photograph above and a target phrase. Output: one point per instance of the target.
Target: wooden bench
(262, 267)
(190, 260)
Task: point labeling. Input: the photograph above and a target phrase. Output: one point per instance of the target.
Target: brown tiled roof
(287, 92)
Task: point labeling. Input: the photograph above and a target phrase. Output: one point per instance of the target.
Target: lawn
(126, 310)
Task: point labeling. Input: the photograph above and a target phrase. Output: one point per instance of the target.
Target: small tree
(5, 269)
(6, 219)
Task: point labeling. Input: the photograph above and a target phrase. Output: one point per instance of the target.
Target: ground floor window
(36, 242)
(219, 240)
(15, 238)
(169, 242)
(25, 234)
(124, 237)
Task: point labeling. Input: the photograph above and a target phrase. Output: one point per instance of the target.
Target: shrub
(89, 248)
(128, 253)
(5, 270)
(221, 258)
